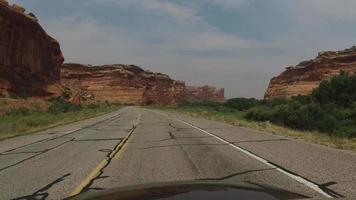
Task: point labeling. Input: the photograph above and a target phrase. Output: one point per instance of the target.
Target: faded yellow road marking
(105, 162)
(90, 177)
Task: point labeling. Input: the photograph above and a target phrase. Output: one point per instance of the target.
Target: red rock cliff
(120, 84)
(204, 93)
(30, 59)
(304, 77)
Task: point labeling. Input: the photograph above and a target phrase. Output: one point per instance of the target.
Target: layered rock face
(204, 93)
(306, 76)
(120, 84)
(30, 59)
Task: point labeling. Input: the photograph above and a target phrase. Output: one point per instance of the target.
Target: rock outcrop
(307, 75)
(31, 66)
(30, 59)
(204, 93)
(118, 83)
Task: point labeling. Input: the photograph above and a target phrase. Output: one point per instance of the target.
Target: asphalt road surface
(138, 146)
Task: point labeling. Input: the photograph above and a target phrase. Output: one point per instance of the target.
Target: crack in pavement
(8, 152)
(236, 174)
(99, 170)
(41, 194)
(194, 137)
(38, 153)
(323, 187)
(31, 157)
(64, 135)
(320, 188)
(110, 155)
(178, 129)
(171, 135)
(252, 141)
(98, 140)
(176, 145)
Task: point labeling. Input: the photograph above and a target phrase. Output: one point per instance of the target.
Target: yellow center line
(113, 155)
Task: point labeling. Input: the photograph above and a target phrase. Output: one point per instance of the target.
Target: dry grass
(266, 127)
(17, 125)
(7, 104)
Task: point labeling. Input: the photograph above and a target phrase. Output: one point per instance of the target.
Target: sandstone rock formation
(120, 84)
(204, 93)
(30, 59)
(304, 77)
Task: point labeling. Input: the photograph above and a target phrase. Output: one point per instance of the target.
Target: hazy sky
(235, 44)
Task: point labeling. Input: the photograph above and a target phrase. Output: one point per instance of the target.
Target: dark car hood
(191, 190)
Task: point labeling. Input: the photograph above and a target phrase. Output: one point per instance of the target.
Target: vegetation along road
(136, 146)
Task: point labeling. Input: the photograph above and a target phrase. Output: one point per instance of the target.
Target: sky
(238, 45)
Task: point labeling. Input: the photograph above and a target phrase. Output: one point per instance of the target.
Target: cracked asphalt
(162, 148)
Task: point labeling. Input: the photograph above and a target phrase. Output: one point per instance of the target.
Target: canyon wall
(307, 75)
(120, 84)
(204, 93)
(30, 59)
(31, 66)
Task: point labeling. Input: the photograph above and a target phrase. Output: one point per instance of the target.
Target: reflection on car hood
(192, 190)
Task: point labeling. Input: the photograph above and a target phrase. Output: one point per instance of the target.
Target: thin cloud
(172, 9)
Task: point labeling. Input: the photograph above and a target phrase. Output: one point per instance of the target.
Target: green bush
(19, 112)
(60, 105)
(259, 113)
(242, 104)
(331, 108)
(340, 90)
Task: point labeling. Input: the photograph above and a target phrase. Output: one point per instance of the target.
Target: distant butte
(204, 93)
(118, 83)
(307, 75)
(130, 84)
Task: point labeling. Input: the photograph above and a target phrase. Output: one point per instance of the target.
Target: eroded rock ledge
(307, 75)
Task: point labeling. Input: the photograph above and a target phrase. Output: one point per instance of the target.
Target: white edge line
(73, 130)
(297, 178)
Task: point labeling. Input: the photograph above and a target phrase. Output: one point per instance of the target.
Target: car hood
(191, 190)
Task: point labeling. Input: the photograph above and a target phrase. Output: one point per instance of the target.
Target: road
(137, 146)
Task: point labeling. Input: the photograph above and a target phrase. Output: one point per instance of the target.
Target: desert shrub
(19, 112)
(259, 113)
(327, 123)
(340, 90)
(297, 116)
(17, 96)
(303, 99)
(242, 104)
(93, 106)
(59, 105)
(331, 108)
(300, 118)
(66, 95)
(202, 103)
